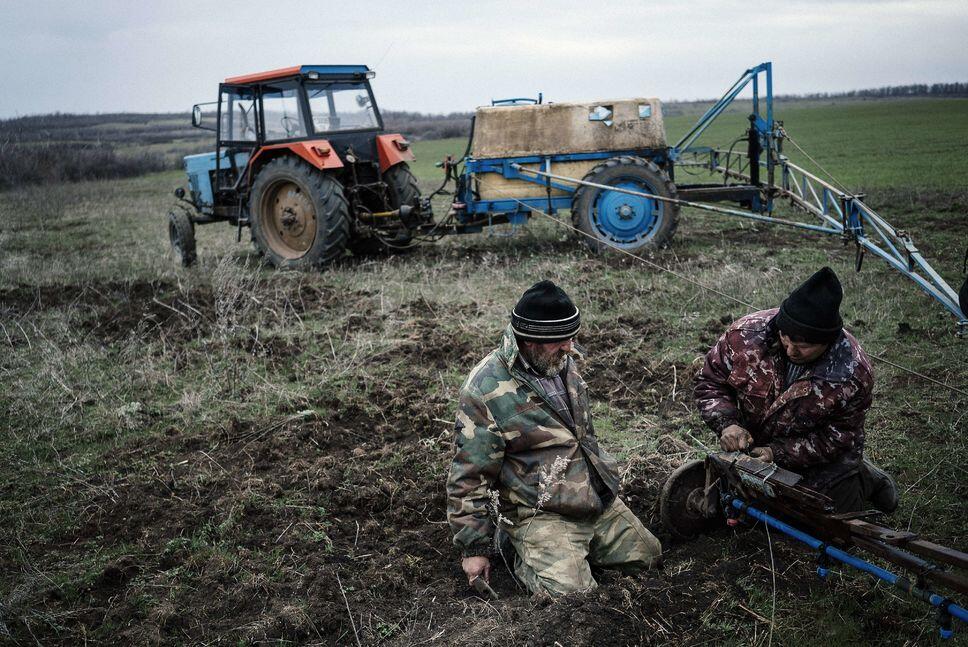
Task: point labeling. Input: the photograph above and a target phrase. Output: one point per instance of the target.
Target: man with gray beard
(527, 460)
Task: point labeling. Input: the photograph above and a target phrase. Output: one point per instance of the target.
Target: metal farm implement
(733, 487)
(303, 160)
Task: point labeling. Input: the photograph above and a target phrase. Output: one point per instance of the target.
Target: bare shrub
(235, 289)
(49, 162)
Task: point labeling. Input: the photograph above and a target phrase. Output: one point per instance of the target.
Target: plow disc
(682, 503)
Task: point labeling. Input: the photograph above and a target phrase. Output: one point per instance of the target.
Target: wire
(619, 249)
(921, 375)
(729, 156)
(837, 183)
(697, 283)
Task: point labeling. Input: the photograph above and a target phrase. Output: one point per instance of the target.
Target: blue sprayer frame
(841, 214)
(517, 211)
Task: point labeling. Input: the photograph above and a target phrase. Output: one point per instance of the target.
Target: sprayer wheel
(612, 220)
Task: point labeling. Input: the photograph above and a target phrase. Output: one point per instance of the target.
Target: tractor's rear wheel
(300, 218)
(402, 189)
(181, 233)
(611, 220)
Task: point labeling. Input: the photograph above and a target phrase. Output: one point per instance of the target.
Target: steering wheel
(291, 126)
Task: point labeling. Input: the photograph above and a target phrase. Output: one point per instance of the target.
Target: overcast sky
(111, 56)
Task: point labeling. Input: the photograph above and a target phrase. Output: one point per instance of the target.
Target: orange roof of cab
(264, 76)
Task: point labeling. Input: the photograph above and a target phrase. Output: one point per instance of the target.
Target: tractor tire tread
(332, 207)
(402, 188)
(627, 160)
(180, 226)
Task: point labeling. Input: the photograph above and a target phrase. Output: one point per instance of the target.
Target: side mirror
(196, 116)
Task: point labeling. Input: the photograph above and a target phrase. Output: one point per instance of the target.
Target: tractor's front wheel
(300, 217)
(181, 233)
(610, 220)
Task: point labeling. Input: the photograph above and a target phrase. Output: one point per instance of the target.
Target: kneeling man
(793, 387)
(527, 456)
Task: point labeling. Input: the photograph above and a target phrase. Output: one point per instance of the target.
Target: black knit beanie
(545, 314)
(812, 311)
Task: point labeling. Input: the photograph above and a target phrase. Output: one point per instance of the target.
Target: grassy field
(221, 454)
(907, 144)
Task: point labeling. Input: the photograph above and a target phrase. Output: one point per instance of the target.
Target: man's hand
(764, 454)
(735, 439)
(475, 566)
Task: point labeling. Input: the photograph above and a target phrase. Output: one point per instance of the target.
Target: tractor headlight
(370, 74)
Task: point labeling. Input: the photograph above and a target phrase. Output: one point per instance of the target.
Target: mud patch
(362, 517)
(26, 299)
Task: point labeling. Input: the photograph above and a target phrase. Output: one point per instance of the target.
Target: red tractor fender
(317, 152)
(393, 149)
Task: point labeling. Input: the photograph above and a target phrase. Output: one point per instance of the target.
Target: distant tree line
(115, 128)
(49, 162)
(418, 126)
(912, 90)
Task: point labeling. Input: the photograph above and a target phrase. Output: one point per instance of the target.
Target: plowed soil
(322, 521)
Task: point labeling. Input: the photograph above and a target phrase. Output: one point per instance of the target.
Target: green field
(903, 144)
(219, 454)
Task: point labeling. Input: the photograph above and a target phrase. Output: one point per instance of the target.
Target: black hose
(450, 170)
(470, 140)
(729, 155)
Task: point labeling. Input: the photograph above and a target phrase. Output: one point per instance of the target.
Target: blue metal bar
(769, 92)
(497, 164)
(932, 290)
(720, 106)
(769, 219)
(508, 205)
(880, 232)
(684, 203)
(900, 582)
(934, 285)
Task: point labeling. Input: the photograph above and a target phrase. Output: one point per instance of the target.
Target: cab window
(341, 106)
(238, 116)
(280, 108)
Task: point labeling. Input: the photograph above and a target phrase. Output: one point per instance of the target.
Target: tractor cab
(313, 120)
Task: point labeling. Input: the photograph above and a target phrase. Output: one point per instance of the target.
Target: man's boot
(880, 487)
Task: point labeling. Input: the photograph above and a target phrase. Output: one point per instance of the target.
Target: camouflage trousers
(555, 554)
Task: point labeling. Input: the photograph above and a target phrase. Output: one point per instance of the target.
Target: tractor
(302, 159)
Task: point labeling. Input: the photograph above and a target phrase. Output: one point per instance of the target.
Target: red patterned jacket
(815, 426)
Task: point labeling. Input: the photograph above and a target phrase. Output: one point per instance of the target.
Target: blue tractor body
(201, 169)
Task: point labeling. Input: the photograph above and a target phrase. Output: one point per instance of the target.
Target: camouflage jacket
(815, 426)
(507, 439)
